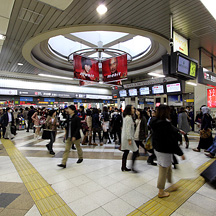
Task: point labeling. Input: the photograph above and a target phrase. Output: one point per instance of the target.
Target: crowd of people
(130, 130)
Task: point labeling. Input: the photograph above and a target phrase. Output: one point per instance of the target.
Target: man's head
(113, 65)
(8, 109)
(71, 109)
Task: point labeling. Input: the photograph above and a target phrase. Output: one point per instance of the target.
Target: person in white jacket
(128, 142)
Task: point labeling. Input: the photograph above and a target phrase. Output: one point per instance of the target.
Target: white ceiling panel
(60, 4)
(3, 25)
(6, 8)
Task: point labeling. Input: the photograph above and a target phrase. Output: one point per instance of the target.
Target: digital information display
(174, 87)
(183, 65)
(144, 91)
(159, 89)
(123, 93)
(132, 92)
(193, 67)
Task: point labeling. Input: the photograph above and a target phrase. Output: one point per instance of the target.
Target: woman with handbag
(96, 126)
(165, 144)
(206, 139)
(51, 125)
(128, 143)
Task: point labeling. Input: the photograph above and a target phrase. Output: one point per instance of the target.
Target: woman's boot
(124, 168)
(84, 140)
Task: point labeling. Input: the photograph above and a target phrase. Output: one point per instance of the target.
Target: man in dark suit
(72, 135)
(8, 121)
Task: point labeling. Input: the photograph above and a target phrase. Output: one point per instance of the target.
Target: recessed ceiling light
(20, 64)
(2, 37)
(101, 9)
(57, 77)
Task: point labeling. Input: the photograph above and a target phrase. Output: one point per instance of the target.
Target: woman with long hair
(105, 124)
(183, 124)
(36, 119)
(128, 142)
(165, 144)
(141, 131)
(51, 124)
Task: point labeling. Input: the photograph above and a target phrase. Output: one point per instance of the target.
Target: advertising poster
(114, 69)
(175, 100)
(211, 98)
(180, 43)
(85, 68)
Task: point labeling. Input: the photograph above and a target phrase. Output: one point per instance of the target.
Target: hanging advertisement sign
(86, 68)
(180, 43)
(211, 98)
(114, 69)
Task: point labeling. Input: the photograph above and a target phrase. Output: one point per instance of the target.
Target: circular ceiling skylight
(63, 45)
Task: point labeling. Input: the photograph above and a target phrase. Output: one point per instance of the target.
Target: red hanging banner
(85, 68)
(114, 69)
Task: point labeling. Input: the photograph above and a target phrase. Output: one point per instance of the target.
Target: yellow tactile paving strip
(168, 205)
(48, 202)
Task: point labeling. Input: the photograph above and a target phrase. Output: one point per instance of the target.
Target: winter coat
(165, 137)
(128, 134)
(183, 123)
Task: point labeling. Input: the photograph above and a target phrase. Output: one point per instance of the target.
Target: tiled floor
(97, 186)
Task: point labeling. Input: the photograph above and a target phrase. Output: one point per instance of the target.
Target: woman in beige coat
(128, 142)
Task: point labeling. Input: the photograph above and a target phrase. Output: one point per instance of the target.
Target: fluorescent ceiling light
(2, 37)
(210, 6)
(191, 83)
(101, 82)
(101, 9)
(155, 74)
(57, 77)
(20, 64)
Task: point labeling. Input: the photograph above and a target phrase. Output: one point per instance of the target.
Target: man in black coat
(72, 135)
(7, 121)
(30, 114)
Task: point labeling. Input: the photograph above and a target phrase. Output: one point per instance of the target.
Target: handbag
(148, 143)
(46, 134)
(205, 133)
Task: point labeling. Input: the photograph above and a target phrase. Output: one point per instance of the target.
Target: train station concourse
(82, 83)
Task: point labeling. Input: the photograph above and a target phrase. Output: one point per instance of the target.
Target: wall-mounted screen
(183, 65)
(132, 92)
(158, 89)
(193, 69)
(173, 87)
(144, 91)
(123, 93)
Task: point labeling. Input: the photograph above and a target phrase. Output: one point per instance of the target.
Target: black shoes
(27, 131)
(125, 169)
(80, 161)
(52, 152)
(152, 163)
(62, 165)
